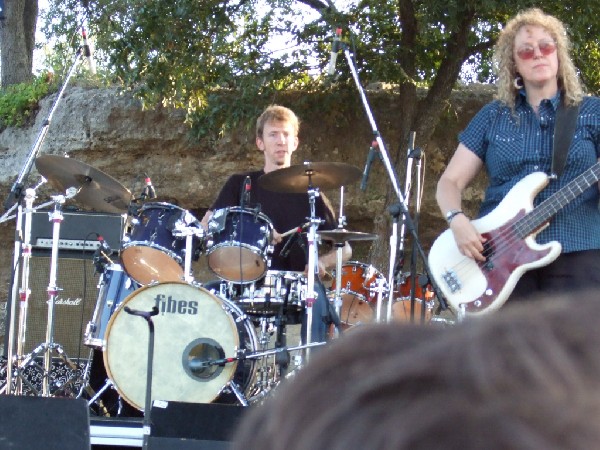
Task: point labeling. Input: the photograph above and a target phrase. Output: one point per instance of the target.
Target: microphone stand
(391, 172)
(14, 198)
(147, 315)
(16, 191)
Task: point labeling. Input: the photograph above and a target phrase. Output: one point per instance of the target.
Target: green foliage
(19, 102)
(215, 58)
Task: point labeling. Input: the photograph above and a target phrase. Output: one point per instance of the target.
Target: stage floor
(111, 433)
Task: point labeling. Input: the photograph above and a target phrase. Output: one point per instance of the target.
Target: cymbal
(298, 178)
(99, 191)
(341, 235)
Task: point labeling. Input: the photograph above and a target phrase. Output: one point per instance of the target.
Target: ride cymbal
(98, 190)
(299, 178)
(341, 235)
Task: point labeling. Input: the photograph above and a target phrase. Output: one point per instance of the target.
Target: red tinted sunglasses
(528, 51)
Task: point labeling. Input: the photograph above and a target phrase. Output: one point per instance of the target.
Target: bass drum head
(192, 326)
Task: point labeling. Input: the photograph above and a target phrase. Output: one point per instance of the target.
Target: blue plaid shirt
(513, 145)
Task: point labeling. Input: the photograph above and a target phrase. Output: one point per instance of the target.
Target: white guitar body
(476, 288)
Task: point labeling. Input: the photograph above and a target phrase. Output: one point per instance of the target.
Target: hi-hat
(341, 235)
(98, 190)
(298, 178)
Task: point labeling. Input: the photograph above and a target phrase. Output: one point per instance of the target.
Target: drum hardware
(276, 291)
(91, 186)
(310, 177)
(188, 228)
(193, 325)
(358, 284)
(239, 244)
(113, 287)
(154, 250)
(97, 190)
(49, 346)
(300, 178)
(22, 250)
(339, 237)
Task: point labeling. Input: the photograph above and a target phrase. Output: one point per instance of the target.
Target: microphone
(335, 47)
(149, 191)
(365, 178)
(285, 251)
(87, 52)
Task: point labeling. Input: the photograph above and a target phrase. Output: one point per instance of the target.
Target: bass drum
(192, 326)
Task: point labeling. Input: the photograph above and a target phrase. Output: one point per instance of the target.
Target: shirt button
(536, 167)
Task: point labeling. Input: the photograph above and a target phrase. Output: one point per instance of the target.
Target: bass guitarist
(512, 138)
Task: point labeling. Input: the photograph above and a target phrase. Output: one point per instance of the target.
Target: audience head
(526, 377)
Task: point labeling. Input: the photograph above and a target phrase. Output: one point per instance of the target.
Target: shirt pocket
(506, 153)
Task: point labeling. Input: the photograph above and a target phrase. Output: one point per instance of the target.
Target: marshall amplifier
(76, 276)
(79, 231)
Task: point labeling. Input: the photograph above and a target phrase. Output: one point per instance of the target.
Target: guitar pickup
(451, 280)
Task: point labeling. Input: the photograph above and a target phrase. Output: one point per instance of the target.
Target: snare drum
(114, 287)
(268, 295)
(151, 252)
(239, 243)
(193, 326)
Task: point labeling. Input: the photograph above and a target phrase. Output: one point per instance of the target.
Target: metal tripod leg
(46, 350)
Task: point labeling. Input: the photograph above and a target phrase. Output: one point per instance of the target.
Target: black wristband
(452, 214)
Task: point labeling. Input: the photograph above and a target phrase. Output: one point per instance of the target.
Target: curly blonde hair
(568, 81)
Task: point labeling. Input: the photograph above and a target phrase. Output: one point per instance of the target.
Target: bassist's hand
(468, 240)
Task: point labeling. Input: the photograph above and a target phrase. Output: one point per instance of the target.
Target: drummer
(277, 137)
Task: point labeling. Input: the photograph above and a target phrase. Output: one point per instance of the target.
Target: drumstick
(295, 230)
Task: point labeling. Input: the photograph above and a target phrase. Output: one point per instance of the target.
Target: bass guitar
(476, 287)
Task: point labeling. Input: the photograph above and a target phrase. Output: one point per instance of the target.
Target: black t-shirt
(286, 211)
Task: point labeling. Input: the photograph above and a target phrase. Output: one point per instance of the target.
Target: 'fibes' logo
(169, 305)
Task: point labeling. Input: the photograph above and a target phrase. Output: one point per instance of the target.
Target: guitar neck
(557, 201)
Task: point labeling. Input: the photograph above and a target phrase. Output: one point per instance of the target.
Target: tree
(194, 54)
(17, 41)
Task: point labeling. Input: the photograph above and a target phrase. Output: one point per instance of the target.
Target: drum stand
(337, 299)
(49, 346)
(313, 267)
(189, 232)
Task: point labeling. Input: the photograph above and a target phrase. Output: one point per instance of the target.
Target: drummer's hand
(277, 238)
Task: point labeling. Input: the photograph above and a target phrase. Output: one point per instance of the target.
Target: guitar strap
(564, 129)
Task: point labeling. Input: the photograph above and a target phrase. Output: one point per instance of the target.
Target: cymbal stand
(337, 300)
(22, 251)
(380, 288)
(313, 267)
(24, 292)
(49, 345)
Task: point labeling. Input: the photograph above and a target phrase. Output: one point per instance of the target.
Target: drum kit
(213, 340)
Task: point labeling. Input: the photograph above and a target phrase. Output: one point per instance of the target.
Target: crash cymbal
(341, 235)
(298, 178)
(98, 191)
